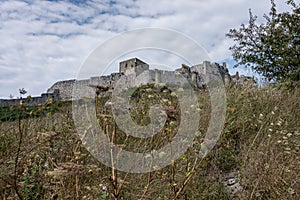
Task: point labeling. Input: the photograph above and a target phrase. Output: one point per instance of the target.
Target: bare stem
(147, 186)
(196, 164)
(17, 158)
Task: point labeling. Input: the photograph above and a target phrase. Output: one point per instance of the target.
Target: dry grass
(42, 158)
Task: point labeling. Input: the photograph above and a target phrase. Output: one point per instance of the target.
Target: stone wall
(134, 73)
(65, 89)
(243, 80)
(30, 101)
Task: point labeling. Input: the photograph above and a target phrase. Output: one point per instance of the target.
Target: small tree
(271, 49)
(22, 92)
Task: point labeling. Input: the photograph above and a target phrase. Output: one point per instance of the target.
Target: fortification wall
(134, 73)
(65, 89)
(196, 75)
(31, 101)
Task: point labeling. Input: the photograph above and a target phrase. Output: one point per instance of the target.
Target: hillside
(257, 156)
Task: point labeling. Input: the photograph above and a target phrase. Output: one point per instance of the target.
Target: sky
(44, 41)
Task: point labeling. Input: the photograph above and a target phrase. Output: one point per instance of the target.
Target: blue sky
(46, 41)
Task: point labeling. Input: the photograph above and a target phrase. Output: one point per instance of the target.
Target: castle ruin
(129, 70)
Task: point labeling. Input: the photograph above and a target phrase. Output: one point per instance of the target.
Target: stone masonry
(135, 73)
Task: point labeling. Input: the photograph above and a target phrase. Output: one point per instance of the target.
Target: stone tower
(133, 66)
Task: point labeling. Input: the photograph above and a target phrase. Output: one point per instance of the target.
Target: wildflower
(286, 169)
(279, 141)
(88, 188)
(283, 132)
(291, 191)
(285, 138)
(164, 175)
(270, 129)
(49, 101)
(104, 188)
(272, 124)
(173, 94)
(273, 113)
(289, 134)
(278, 123)
(172, 123)
(22, 104)
(261, 115)
(269, 135)
(267, 166)
(287, 148)
(198, 134)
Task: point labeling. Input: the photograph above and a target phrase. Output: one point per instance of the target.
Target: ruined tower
(133, 66)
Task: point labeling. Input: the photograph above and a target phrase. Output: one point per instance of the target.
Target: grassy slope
(261, 141)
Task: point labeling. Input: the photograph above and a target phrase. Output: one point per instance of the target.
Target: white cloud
(46, 41)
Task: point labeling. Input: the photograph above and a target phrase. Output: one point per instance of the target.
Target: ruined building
(135, 73)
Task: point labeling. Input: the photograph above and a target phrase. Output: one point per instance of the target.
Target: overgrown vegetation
(11, 113)
(272, 48)
(41, 157)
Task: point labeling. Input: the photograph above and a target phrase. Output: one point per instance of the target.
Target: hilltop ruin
(198, 76)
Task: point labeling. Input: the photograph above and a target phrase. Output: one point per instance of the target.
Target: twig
(147, 186)
(188, 178)
(17, 158)
(77, 186)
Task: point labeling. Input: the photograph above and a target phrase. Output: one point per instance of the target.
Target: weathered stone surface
(232, 184)
(32, 100)
(135, 73)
